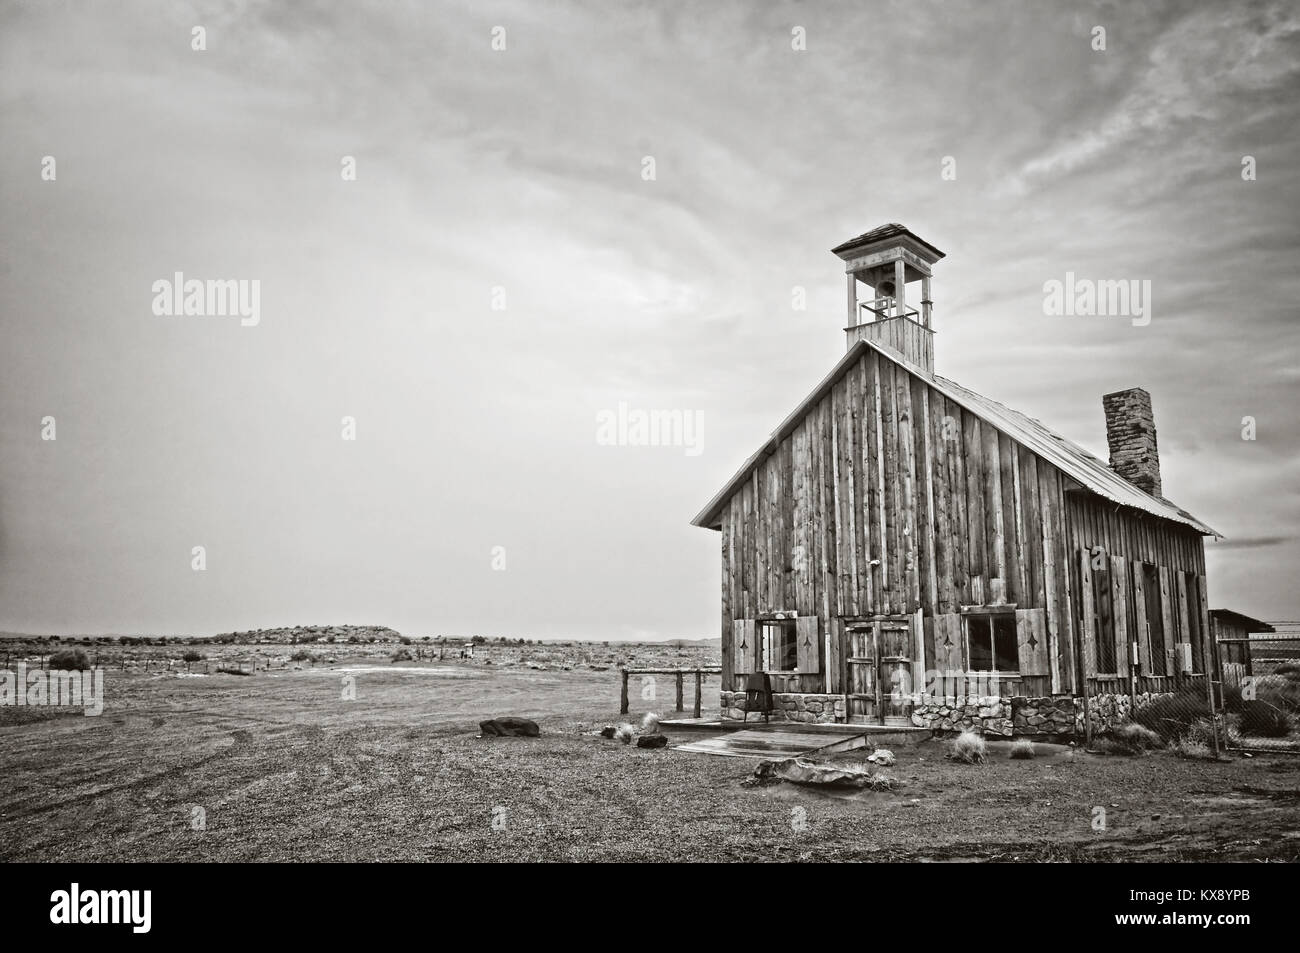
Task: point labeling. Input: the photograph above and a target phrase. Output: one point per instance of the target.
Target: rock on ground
(509, 726)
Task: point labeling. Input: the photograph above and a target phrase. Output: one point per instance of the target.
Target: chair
(758, 695)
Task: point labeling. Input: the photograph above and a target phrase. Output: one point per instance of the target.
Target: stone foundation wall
(988, 714)
(1106, 711)
(790, 706)
(1046, 716)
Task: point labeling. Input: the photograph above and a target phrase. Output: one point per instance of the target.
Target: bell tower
(887, 259)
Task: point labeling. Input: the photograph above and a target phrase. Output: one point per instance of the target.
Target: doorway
(879, 678)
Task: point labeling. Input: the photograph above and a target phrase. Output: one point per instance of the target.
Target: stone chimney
(1131, 435)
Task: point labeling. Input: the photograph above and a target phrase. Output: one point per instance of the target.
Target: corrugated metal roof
(1071, 459)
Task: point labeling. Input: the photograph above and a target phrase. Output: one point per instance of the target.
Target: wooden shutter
(809, 645)
(1143, 634)
(743, 649)
(1088, 630)
(1184, 627)
(1031, 641)
(1119, 596)
(948, 653)
(1167, 594)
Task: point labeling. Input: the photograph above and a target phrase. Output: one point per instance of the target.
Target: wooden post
(900, 274)
(853, 300)
(699, 682)
(680, 703)
(925, 301)
(622, 710)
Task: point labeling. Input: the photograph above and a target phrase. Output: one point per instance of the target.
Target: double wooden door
(879, 674)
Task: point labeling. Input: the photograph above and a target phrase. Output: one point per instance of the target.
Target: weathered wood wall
(888, 498)
(1126, 540)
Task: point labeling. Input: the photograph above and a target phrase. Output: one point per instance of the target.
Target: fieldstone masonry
(1131, 438)
(987, 714)
(999, 715)
(790, 706)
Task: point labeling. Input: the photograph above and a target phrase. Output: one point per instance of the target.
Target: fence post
(699, 681)
(680, 704)
(1209, 692)
(623, 696)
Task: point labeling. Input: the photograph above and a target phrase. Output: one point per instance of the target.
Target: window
(991, 643)
(780, 645)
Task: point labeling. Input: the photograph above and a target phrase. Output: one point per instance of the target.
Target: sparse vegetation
(191, 655)
(969, 748)
(69, 660)
(1022, 749)
(1130, 738)
(1264, 719)
(402, 655)
(1172, 716)
(882, 781)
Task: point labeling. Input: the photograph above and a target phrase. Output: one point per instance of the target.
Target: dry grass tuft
(1023, 750)
(969, 748)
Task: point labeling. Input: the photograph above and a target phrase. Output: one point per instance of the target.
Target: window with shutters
(991, 642)
(780, 645)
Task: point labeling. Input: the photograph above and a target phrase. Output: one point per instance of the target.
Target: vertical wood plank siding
(889, 498)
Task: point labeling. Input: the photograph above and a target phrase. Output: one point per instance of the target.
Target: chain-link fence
(1259, 692)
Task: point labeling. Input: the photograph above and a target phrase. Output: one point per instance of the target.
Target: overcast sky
(523, 170)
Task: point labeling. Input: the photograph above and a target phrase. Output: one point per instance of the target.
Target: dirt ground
(278, 766)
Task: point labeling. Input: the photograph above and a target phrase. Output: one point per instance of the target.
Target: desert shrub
(1022, 749)
(401, 655)
(302, 655)
(650, 723)
(1264, 719)
(1195, 743)
(882, 781)
(70, 660)
(1171, 717)
(1135, 736)
(404, 640)
(1129, 739)
(969, 748)
(189, 655)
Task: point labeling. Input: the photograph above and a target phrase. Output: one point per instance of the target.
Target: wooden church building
(905, 551)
